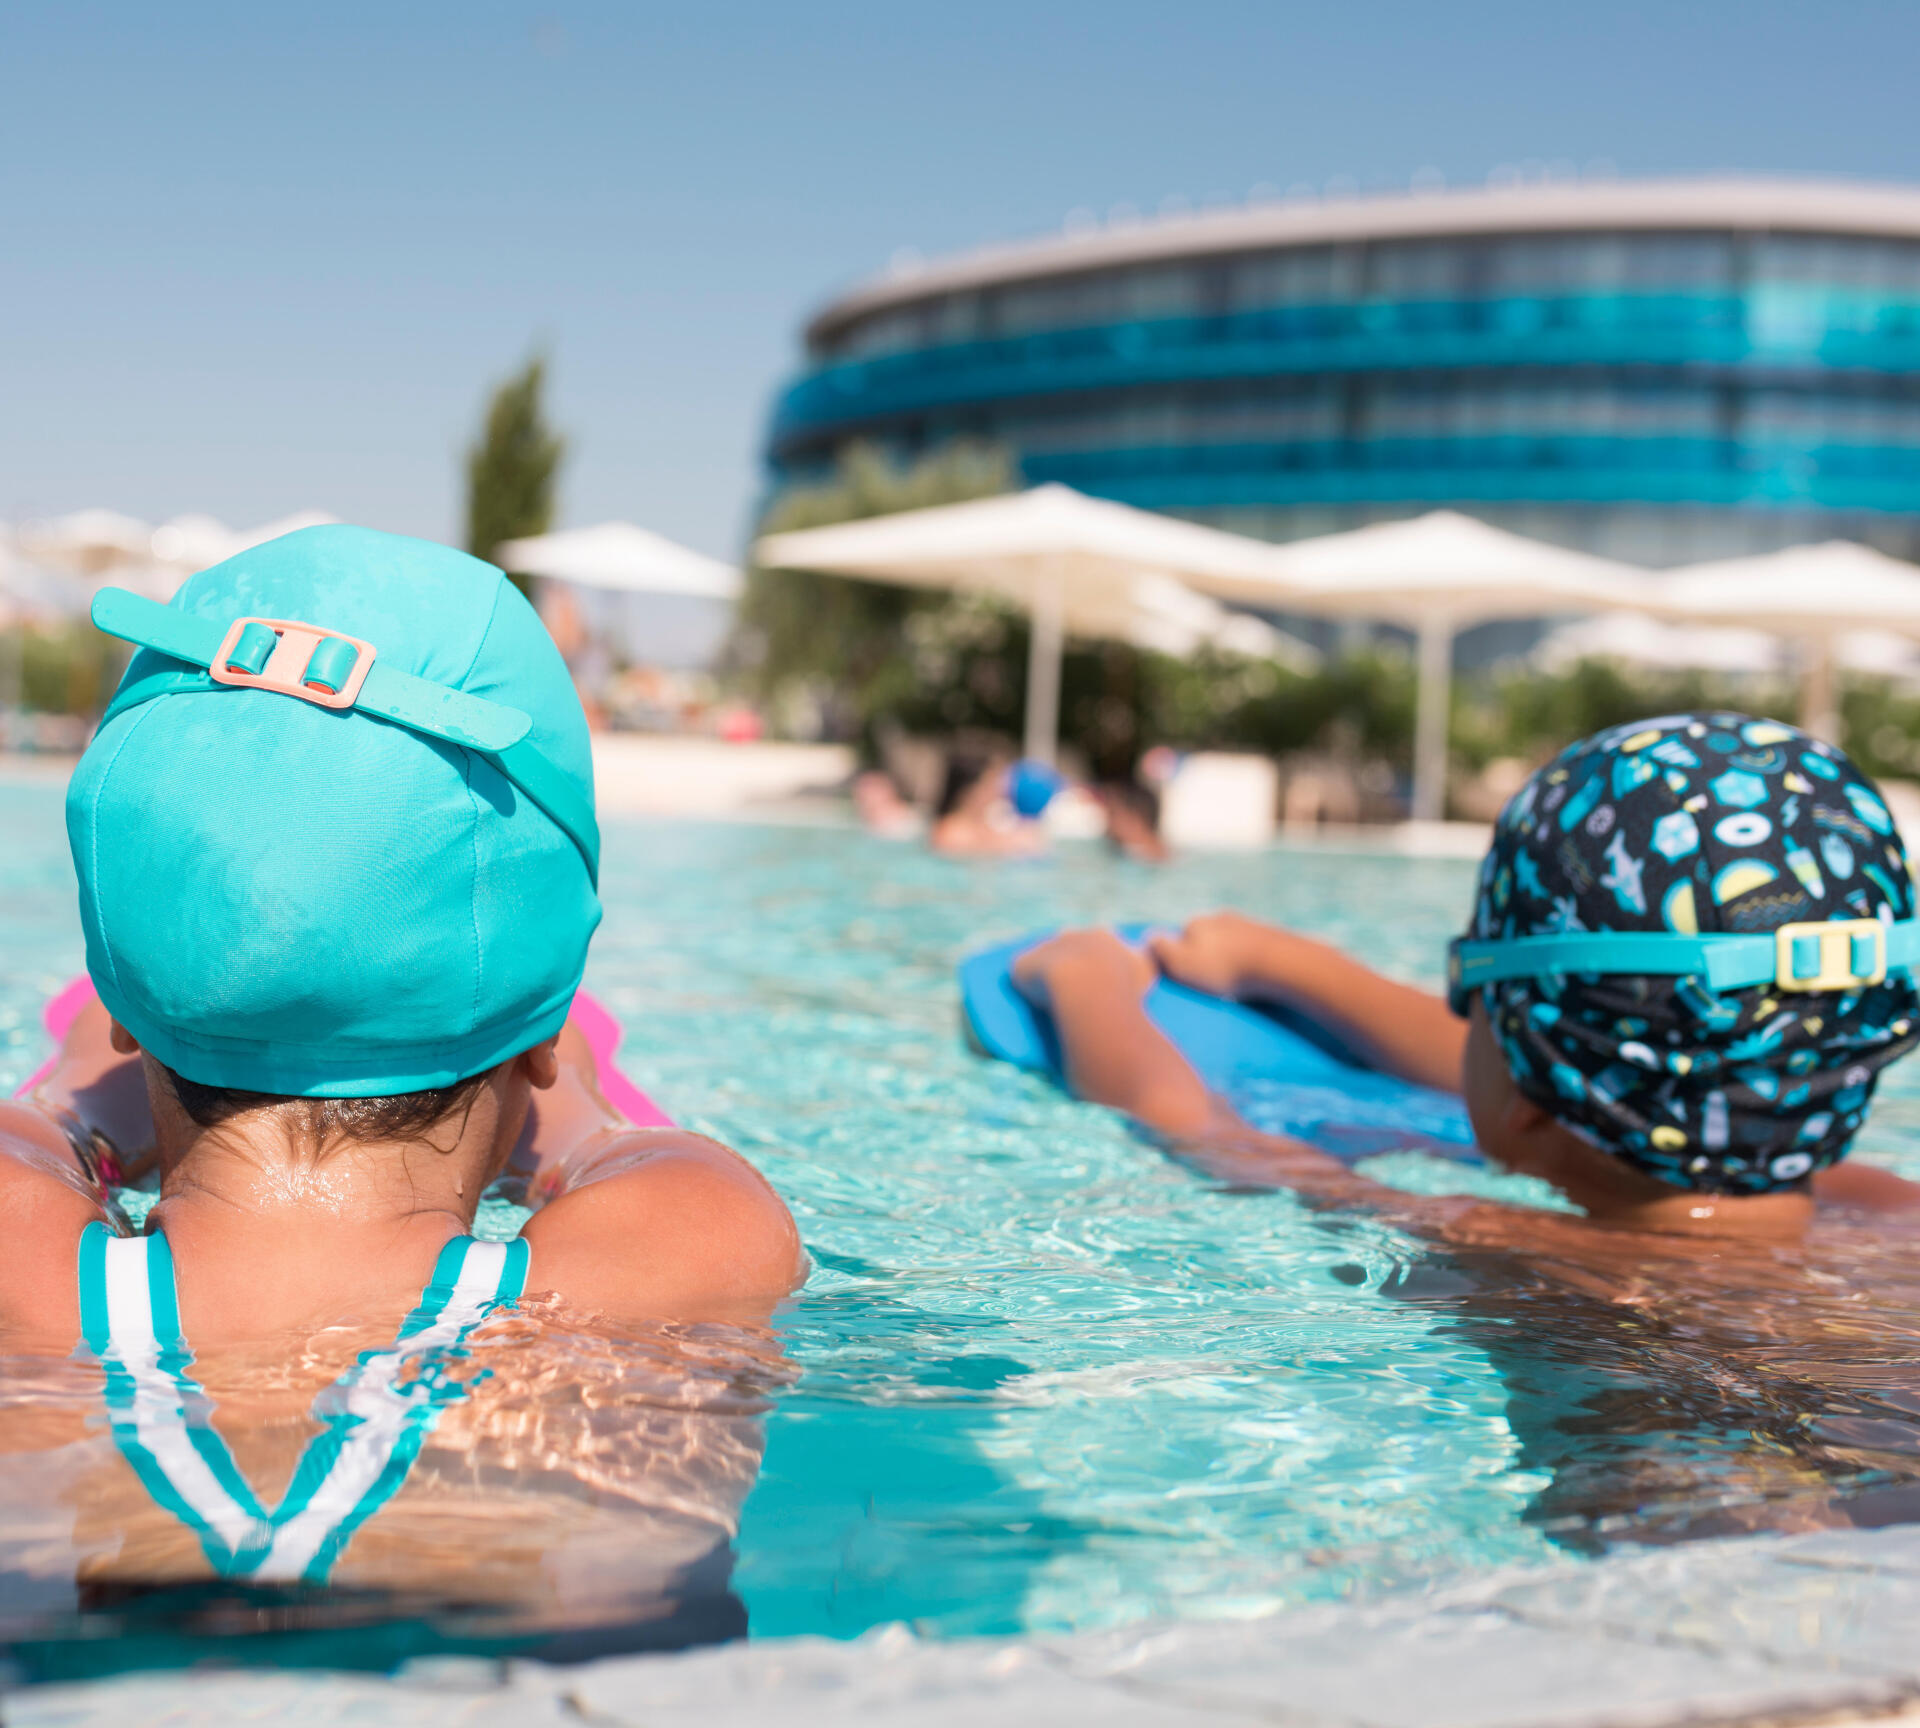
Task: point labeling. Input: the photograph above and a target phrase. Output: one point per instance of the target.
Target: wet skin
(1682, 1363)
(274, 1222)
(612, 1428)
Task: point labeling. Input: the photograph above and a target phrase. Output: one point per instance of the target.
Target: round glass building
(1663, 371)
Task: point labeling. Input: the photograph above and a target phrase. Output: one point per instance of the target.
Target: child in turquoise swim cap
(1689, 962)
(337, 861)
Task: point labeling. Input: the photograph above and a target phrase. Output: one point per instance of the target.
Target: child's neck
(259, 1178)
(266, 1169)
(270, 1236)
(1751, 1217)
(1619, 1197)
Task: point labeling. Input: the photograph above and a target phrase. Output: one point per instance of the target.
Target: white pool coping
(1821, 1628)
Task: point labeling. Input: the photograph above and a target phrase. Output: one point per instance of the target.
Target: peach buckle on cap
(301, 660)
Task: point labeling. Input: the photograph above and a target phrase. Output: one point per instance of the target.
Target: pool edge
(1809, 1631)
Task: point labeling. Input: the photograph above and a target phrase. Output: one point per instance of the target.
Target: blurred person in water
(883, 812)
(1687, 968)
(989, 806)
(337, 879)
(1132, 811)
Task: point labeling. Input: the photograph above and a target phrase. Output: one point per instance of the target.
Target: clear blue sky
(264, 257)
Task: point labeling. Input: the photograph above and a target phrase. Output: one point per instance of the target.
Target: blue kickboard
(1282, 1073)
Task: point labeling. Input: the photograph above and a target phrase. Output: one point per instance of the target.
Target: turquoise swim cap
(381, 894)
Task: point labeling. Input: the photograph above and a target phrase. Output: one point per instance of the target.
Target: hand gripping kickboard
(1284, 1074)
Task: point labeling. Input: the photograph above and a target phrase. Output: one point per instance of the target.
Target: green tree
(843, 640)
(1520, 711)
(68, 668)
(511, 467)
(1882, 723)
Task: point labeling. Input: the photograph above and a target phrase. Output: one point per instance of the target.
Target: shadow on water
(894, 1503)
(125, 1627)
(1755, 1391)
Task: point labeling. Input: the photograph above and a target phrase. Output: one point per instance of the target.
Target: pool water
(1043, 1377)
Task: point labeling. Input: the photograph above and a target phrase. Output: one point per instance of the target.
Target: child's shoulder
(46, 1200)
(665, 1221)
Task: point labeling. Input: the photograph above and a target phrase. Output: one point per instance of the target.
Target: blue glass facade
(1662, 395)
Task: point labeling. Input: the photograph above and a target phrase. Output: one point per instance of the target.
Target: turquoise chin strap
(1838, 954)
(491, 729)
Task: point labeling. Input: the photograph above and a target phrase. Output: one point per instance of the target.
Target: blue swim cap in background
(1031, 786)
(1698, 824)
(319, 902)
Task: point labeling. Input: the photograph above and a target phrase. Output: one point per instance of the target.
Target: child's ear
(543, 1063)
(121, 1039)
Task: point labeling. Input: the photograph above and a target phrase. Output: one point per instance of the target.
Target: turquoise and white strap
(374, 1419)
(130, 1320)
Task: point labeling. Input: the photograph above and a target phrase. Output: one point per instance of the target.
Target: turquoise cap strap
(1836, 954)
(495, 730)
(416, 703)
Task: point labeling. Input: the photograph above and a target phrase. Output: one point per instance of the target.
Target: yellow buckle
(1843, 954)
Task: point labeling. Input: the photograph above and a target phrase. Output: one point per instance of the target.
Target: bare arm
(44, 1205)
(1094, 987)
(55, 1175)
(653, 1223)
(98, 1099)
(1402, 1030)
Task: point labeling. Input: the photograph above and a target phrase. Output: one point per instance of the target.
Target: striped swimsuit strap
(373, 1419)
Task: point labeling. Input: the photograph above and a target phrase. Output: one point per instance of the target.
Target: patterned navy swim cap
(1698, 823)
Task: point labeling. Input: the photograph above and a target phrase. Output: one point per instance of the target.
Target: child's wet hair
(964, 770)
(358, 1121)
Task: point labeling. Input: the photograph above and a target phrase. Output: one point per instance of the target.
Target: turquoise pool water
(1045, 1378)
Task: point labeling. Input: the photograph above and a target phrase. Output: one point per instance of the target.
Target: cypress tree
(512, 465)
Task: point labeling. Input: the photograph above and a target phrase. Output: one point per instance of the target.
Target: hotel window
(1304, 276)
